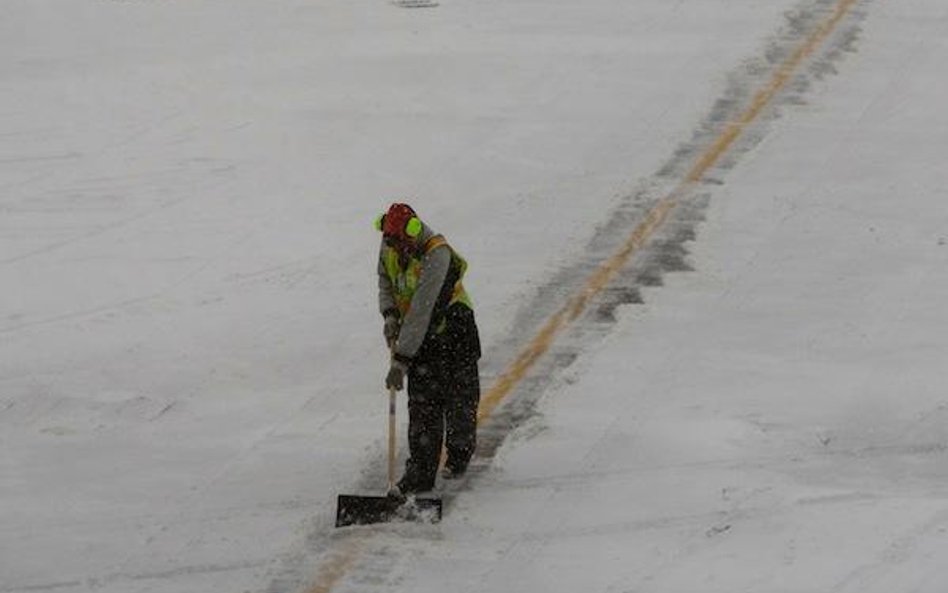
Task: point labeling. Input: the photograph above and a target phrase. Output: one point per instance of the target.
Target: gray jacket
(434, 270)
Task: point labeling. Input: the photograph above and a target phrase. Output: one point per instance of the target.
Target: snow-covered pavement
(191, 360)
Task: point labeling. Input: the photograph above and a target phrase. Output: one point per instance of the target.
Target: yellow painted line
(335, 567)
(763, 97)
(338, 564)
(573, 308)
(541, 343)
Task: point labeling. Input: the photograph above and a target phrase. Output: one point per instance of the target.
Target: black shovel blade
(366, 510)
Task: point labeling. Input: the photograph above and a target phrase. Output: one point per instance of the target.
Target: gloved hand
(393, 324)
(396, 376)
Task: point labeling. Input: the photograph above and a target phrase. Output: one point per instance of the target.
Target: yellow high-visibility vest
(405, 281)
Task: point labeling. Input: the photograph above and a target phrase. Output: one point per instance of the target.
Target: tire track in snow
(659, 228)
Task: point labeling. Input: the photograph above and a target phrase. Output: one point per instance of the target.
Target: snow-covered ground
(191, 359)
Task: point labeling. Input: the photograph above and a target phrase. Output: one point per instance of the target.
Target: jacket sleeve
(434, 271)
(386, 293)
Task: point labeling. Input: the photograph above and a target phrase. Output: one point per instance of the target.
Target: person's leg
(425, 430)
(461, 417)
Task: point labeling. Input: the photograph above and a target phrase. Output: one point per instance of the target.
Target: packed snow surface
(191, 359)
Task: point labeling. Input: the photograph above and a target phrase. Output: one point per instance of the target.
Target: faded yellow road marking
(659, 213)
(573, 308)
(339, 563)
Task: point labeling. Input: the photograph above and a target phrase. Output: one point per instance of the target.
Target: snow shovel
(365, 510)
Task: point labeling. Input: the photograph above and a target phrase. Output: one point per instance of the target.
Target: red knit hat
(401, 222)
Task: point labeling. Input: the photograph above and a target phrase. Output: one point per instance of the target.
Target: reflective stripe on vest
(405, 281)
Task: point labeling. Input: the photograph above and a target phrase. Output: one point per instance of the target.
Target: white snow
(191, 360)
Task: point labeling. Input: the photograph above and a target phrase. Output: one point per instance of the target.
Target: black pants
(443, 396)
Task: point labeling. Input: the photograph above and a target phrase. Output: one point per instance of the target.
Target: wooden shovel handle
(391, 439)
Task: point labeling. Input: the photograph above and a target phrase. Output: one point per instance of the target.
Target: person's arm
(434, 271)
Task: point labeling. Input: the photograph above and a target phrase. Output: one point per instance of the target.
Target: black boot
(412, 484)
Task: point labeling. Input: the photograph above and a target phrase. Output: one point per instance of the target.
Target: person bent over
(429, 326)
